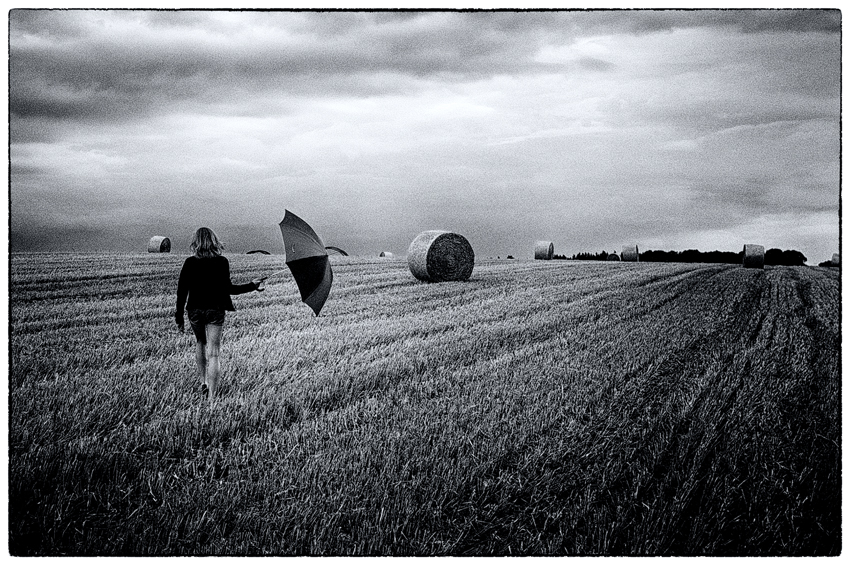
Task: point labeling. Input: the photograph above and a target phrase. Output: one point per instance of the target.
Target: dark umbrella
(307, 259)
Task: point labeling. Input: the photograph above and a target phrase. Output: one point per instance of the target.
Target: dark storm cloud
(743, 20)
(20, 169)
(752, 21)
(75, 69)
(95, 66)
(379, 123)
(52, 23)
(58, 72)
(67, 65)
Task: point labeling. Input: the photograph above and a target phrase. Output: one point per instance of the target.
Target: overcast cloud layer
(670, 129)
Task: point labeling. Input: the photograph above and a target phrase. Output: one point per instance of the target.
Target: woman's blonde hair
(206, 244)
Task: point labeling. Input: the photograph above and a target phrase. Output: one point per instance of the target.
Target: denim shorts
(200, 318)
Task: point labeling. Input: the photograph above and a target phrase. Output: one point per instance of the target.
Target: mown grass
(540, 408)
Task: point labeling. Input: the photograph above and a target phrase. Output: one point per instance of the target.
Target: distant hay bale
(836, 259)
(437, 256)
(387, 254)
(613, 257)
(630, 253)
(753, 256)
(260, 251)
(544, 250)
(159, 244)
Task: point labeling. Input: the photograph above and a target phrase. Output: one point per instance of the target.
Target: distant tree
(793, 258)
(654, 256)
(584, 256)
(772, 257)
(724, 257)
(789, 257)
(510, 256)
(690, 256)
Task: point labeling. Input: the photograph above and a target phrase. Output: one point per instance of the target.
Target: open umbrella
(307, 259)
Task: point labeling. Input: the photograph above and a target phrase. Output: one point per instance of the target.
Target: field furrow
(540, 408)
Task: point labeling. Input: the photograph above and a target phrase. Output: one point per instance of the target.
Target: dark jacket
(206, 282)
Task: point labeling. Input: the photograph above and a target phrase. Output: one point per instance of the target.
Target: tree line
(774, 256)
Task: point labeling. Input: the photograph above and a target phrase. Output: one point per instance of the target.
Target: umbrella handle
(262, 279)
(272, 275)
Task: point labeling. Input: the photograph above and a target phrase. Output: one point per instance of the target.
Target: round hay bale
(613, 257)
(159, 244)
(753, 256)
(836, 259)
(630, 253)
(387, 254)
(544, 250)
(260, 251)
(437, 256)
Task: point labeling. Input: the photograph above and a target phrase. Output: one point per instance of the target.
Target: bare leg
(213, 347)
(201, 360)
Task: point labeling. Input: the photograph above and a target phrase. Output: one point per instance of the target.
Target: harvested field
(539, 408)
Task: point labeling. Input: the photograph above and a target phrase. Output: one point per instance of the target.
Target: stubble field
(540, 408)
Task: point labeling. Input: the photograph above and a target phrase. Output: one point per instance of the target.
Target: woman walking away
(205, 280)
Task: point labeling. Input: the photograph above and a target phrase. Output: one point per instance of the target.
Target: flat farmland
(540, 408)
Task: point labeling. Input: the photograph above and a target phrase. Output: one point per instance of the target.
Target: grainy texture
(753, 256)
(439, 256)
(552, 408)
(630, 253)
(159, 244)
(544, 250)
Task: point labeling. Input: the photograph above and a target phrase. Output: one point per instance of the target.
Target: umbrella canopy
(307, 260)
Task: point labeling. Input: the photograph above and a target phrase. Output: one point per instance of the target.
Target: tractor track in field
(555, 407)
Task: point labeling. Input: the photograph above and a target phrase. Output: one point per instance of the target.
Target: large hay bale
(159, 244)
(613, 257)
(630, 253)
(836, 260)
(437, 256)
(753, 256)
(544, 250)
(387, 254)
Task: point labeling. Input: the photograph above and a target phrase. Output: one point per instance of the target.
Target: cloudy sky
(669, 129)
